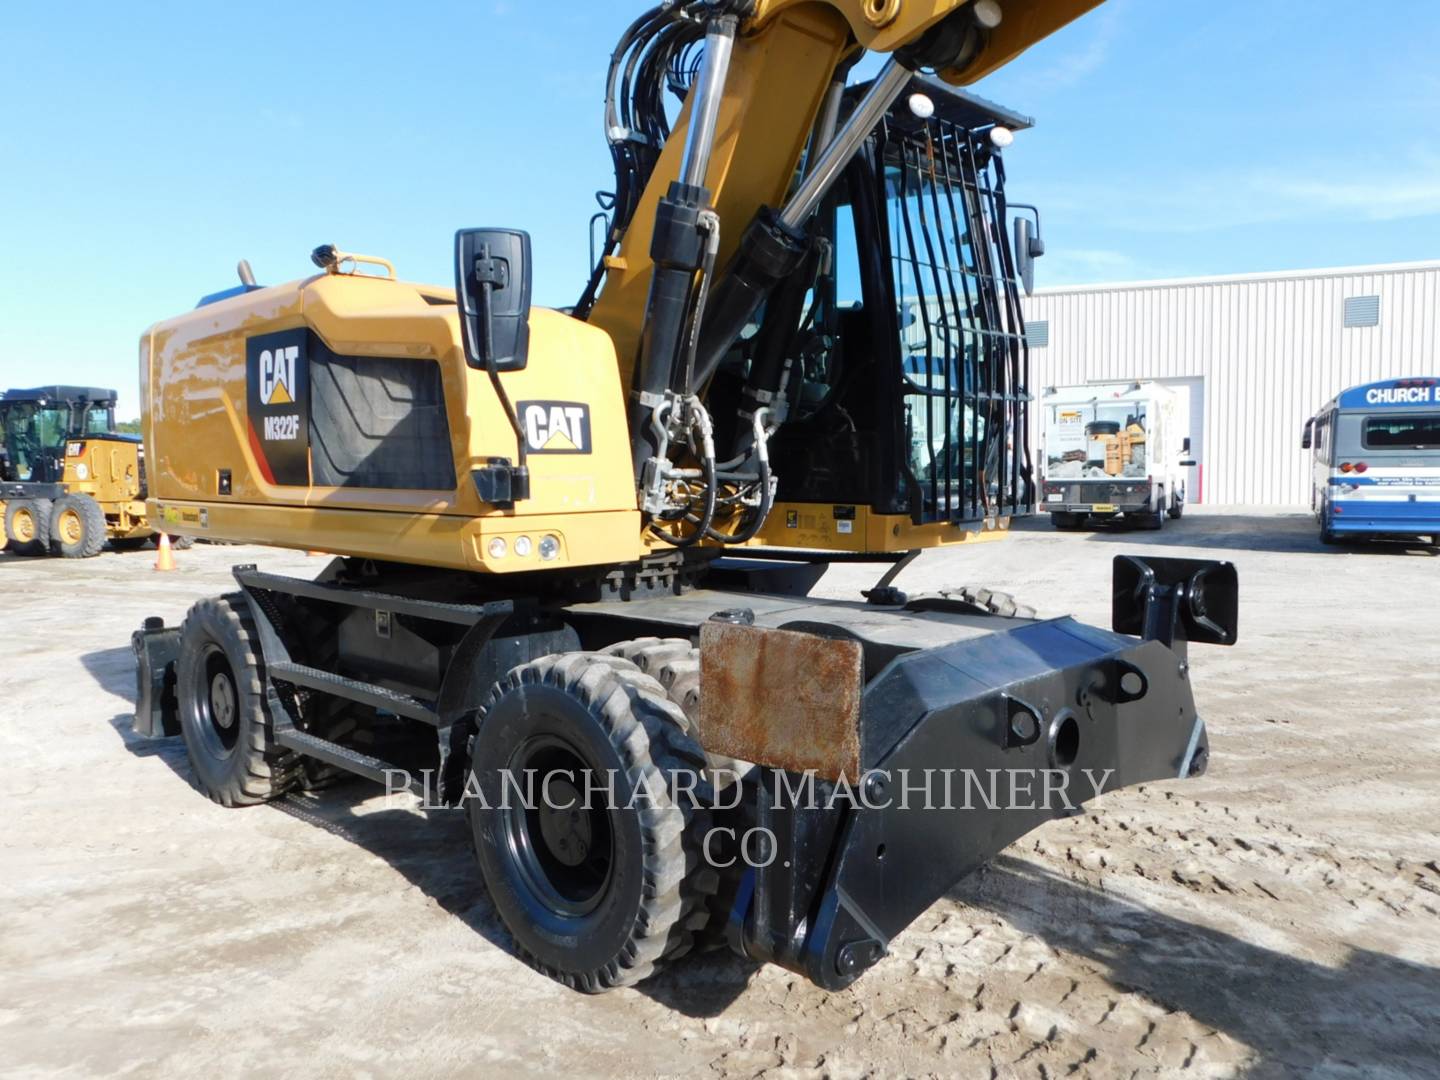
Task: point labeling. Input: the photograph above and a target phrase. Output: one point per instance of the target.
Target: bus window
(1402, 433)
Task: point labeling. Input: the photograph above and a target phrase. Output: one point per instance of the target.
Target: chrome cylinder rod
(705, 104)
(829, 121)
(851, 135)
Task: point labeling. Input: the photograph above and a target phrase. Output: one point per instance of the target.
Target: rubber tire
(1151, 522)
(991, 602)
(657, 897)
(39, 510)
(254, 770)
(177, 543)
(672, 662)
(1067, 522)
(92, 527)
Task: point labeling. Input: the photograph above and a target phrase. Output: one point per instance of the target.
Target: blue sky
(145, 148)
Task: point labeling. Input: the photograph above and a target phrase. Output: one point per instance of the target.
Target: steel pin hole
(1065, 741)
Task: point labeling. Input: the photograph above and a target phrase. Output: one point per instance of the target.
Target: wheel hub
(222, 701)
(24, 525)
(564, 825)
(72, 530)
(561, 848)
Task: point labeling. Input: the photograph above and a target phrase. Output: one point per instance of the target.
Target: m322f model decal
(277, 380)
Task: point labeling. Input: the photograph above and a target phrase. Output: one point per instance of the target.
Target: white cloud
(1405, 187)
(1076, 62)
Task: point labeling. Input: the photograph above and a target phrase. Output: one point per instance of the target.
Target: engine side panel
(339, 412)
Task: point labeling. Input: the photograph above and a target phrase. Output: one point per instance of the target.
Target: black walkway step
(377, 697)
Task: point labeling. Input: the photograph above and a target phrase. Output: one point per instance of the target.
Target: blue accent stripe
(1380, 517)
(216, 297)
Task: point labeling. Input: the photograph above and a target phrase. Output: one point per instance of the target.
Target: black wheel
(1154, 520)
(597, 893)
(27, 526)
(220, 690)
(77, 527)
(672, 662)
(990, 602)
(178, 543)
(1066, 521)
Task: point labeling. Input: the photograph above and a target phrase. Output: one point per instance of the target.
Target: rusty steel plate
(779, 698)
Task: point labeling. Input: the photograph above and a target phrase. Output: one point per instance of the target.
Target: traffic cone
(165, 560)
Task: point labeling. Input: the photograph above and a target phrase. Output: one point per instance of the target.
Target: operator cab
(907, 372)
(37, 423)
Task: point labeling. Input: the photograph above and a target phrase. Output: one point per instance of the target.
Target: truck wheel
(595, 896)
(991, 602)
(220, 691)
(672, 662)
(1153, 521)
(178, 543)
(27, 526)
(77, 527)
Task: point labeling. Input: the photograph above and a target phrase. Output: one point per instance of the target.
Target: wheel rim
(72, 529)
(24, 525)
(218, 703)
(561, 851)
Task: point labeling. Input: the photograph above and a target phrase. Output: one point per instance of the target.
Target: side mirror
(1028, 247)
(492, 289)
(1305, 437)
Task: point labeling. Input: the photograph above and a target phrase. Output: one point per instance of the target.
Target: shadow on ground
(1375, 1012)
(431, 849)
(1373, 1015)
(1282, 533)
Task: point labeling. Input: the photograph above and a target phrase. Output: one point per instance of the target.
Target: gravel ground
(1279, 916)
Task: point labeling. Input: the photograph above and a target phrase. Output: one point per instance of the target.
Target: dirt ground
(1280, 916)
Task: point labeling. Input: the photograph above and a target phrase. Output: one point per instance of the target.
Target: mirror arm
(490, 274)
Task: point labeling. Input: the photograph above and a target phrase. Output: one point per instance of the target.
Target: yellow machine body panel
(338, 413)
(108, 470)
(860, 530)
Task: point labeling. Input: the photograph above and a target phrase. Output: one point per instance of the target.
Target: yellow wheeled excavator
(575, 548)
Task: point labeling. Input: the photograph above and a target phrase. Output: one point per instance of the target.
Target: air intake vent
(1037, 334)
(1362, 311)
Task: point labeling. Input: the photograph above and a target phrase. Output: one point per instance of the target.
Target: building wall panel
(1271, 349)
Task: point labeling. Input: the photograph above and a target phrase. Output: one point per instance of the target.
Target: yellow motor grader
(68, 480)
(576, 548)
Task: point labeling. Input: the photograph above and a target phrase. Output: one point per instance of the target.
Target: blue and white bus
(1375, 461)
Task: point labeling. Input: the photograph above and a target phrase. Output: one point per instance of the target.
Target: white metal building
(1256, 353)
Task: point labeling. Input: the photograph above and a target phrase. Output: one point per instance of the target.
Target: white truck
(1113, 450)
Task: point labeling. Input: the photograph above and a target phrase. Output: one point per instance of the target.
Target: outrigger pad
(1170, 600)
(156, 648)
